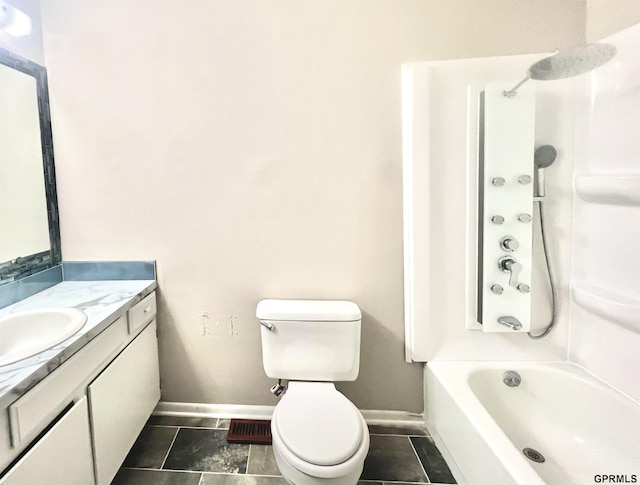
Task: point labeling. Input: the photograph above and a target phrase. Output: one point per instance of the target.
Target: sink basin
(29, 333)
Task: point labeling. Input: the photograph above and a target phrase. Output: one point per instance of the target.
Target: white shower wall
(440, 184)
(605, 277)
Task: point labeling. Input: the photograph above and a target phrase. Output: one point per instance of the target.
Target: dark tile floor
(190, 451)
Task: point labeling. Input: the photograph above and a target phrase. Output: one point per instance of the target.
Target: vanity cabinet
(77, 425)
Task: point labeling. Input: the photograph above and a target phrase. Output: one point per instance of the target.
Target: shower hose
(554, 299)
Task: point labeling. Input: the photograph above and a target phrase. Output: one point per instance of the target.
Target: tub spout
(511, 322)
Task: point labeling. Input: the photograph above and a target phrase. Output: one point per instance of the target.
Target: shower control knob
(509, 243)
(498, 181)
(523, 288)
(524, 217)
(497, 220)
(525, 179)
(497, 289)
(511, 266)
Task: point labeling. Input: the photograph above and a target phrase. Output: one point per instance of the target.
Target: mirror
(29, 228)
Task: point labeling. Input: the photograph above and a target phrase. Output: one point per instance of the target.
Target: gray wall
(253, 148)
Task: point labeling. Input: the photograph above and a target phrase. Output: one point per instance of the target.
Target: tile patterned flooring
(194, 451)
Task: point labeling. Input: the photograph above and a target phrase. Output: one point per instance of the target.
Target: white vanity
(71, 414)
(68, 414)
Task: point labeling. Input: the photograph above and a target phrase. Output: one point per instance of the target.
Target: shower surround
(605, 316)
(588, 365)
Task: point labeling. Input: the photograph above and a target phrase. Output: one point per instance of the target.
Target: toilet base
(295, 477)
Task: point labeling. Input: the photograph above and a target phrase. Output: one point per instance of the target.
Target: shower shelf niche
(613, 189)
(607, 304)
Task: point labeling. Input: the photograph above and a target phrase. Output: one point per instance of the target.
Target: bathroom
(254, 149)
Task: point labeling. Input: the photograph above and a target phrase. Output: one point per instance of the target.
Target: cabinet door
(62, 455)
(121, 400)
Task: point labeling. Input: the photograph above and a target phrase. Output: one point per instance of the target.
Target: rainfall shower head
(572, 62)
(568, 63)
(544, 156)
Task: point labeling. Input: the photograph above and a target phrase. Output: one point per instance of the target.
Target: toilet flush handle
(268, 325)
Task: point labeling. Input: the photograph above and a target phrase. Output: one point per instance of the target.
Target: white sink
(29, 333)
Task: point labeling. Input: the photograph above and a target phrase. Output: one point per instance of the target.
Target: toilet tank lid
(308, 310)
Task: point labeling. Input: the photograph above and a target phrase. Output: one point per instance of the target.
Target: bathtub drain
(533, 455)
(511, 378)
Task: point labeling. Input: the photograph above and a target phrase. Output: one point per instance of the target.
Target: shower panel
(505, 208)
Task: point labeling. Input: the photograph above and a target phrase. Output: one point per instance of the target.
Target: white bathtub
(586, 430)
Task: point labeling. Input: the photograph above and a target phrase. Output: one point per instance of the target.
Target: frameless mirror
(29, 229)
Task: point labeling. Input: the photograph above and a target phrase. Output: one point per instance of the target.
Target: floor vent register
(253, 431)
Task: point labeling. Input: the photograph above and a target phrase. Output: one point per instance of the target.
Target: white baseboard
(224, 411)
(392, 418)
(246, 411)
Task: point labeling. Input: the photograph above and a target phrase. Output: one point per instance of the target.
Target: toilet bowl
(319, 436)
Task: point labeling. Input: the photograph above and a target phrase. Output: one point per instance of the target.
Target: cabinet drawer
(28, 416)
(62, 455)
(142, 313)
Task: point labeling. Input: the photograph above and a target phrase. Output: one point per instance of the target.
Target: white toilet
(319, 436)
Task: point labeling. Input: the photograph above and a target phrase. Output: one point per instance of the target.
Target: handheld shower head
(544, 156)
(568, 63)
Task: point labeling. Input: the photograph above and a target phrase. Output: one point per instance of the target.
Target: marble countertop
(102, 301)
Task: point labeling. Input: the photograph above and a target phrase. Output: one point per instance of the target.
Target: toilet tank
(310, 340)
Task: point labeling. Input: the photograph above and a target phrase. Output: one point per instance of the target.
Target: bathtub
(586, 431)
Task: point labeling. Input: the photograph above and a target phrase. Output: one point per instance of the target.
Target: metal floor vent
(256, 431)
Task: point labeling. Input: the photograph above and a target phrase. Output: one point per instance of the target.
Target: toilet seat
(319, 424)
